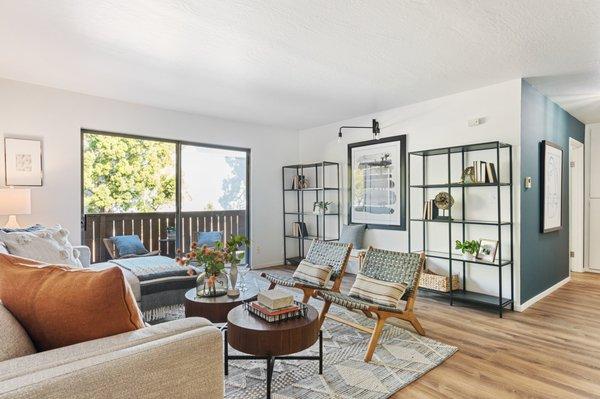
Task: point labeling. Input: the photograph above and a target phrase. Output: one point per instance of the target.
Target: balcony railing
(152, 227)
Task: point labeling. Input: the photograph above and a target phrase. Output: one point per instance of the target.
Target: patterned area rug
(401, 357)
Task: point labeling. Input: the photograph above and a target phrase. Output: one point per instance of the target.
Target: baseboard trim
(541, 295)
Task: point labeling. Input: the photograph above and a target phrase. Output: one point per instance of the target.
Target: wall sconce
(374, 128)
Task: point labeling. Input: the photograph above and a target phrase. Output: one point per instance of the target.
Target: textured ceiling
(293, 63)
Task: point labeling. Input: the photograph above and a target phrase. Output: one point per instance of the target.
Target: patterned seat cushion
(353, 303)
(288, 281)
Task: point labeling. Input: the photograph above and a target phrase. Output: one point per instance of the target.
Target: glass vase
(211, 285)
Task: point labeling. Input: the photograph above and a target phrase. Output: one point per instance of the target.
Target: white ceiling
(295, 63)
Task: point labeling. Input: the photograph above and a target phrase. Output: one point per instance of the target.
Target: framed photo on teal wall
(552, 182)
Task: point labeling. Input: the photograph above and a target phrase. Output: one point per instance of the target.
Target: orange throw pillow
(60, 306)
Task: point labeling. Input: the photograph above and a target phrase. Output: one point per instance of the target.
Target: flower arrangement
(213, 259)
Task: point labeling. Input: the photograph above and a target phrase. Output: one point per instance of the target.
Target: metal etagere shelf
(502, 221)
(321, 173)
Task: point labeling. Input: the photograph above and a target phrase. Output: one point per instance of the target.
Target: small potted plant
(468, 248)
(321, 207)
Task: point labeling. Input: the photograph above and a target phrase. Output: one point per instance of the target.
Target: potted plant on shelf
(321, 207)
(468, 248)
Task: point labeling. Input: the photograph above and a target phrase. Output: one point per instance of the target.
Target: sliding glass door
(167, 192)
(214, 193)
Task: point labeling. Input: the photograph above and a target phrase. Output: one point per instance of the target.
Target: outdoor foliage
(234, 187)
(127, 175)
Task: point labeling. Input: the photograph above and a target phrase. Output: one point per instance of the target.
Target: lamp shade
(15, 201)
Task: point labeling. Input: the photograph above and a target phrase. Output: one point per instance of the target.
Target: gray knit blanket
(151, 267)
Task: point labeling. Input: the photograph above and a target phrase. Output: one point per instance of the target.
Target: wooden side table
(271, 341)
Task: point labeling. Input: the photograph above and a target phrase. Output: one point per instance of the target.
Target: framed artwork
(23, 162)
(377, 183)
(551, 184)
(487, 250)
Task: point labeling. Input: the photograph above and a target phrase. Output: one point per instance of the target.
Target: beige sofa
(178, 359)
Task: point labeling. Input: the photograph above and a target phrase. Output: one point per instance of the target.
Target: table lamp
(14, 201)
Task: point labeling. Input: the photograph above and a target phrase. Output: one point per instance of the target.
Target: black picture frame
(402, 183)
(543, 178)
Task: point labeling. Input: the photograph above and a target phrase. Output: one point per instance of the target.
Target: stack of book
(430, 210)
(485, 172)
(276, 305)
(299, 229)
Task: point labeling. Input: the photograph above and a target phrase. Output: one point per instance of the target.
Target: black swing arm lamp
(374, 128)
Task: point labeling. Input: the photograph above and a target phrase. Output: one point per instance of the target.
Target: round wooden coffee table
(270, 341)
(216, 309)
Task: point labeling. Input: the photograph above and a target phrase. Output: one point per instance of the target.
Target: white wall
(438, 123)
(57, 116)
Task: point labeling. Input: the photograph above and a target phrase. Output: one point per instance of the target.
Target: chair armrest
(156, 361)
(85, 255)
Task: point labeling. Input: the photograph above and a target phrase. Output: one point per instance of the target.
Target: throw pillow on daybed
(60, 306)
(48, 244)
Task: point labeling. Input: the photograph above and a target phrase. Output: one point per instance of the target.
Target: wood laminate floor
(552, 350)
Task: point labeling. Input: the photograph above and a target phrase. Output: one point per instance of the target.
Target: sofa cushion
(353, 234)
(60, 306)
(312, 273)
(15, 342)
(49, 245)
(34, 227)
(129, 245)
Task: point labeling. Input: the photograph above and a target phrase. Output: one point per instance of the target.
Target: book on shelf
(485, 172)
(299, 229)
(430, 210)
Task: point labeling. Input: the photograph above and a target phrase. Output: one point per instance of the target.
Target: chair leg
(273, 285)
(375, 338)
(415, 323)
(307, 295)
(323, 314)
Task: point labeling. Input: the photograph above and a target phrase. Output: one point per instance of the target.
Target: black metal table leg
(270, 367)
(320, 351)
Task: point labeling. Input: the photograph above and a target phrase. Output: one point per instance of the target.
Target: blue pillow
(353, 233)
(209, 238)
(129, 245)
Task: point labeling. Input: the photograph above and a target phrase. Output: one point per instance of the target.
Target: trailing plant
(468, 246)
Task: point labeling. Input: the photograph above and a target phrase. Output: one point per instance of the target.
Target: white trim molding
(542, 295)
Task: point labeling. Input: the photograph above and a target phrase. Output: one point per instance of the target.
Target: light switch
(528, 182)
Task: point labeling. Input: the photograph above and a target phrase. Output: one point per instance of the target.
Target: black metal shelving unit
(502, 221)
(320, 191)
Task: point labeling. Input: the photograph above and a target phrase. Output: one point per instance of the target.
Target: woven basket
(436, 282)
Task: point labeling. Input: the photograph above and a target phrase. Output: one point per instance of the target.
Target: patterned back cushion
(315, 274)
(129, 245)
(392, 266)
(377, 291)
(329, 253)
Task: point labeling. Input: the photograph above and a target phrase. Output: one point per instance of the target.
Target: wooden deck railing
(151, 227)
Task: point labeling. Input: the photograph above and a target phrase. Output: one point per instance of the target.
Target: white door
(576, 205)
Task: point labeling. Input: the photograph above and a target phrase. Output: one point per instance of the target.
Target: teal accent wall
(544, 257)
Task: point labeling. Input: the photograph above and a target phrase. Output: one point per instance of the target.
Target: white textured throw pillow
(377, 291)
(50, 245)
(315, 274)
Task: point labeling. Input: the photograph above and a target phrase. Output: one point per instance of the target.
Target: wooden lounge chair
(329, 253)
(386, 266)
